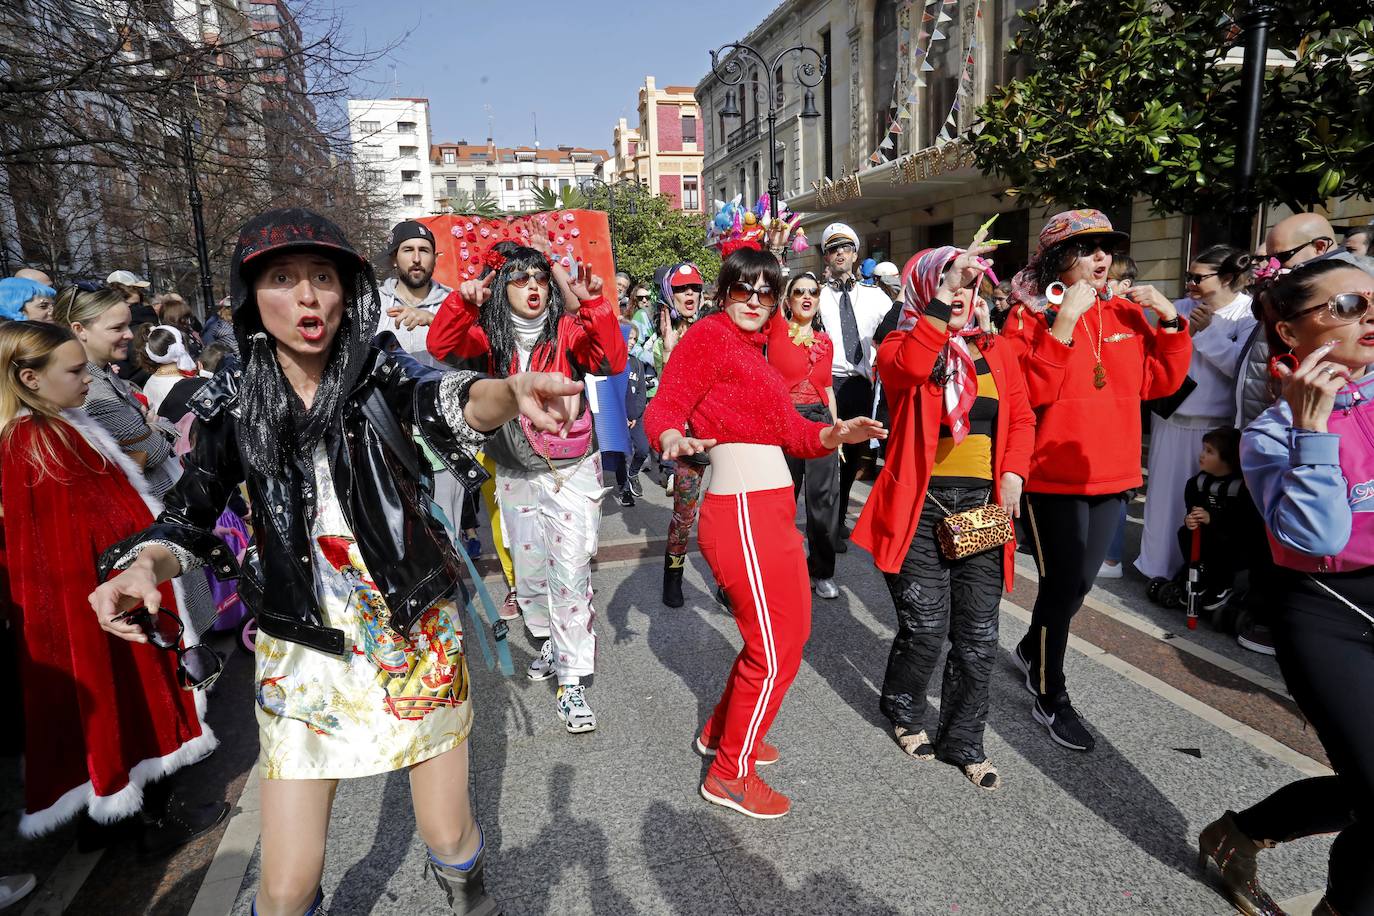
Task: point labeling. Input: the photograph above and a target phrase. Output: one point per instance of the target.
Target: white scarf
(176, 353)
(527, 331)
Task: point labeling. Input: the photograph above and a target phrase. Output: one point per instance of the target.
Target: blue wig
(15, 292)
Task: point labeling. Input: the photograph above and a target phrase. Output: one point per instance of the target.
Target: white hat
(886, 270)
(838, 233)
(127, 278)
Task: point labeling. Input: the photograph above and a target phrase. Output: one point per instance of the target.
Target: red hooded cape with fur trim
(103, 716)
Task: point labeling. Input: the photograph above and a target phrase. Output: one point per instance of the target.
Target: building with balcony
(664, 152)
(924, 190)
(391, 144)
(463, 173)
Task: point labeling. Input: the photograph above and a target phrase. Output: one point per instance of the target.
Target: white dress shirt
(1216, 354)
(871, 306)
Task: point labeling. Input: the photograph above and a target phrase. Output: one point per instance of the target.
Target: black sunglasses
(643, 297)
(1343, 306)
(198, 666)
(1197, 278)
(1086, 247)
(742, 292)
(1283, 256)
(688, 288)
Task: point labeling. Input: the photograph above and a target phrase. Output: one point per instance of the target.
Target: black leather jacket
(407, 552)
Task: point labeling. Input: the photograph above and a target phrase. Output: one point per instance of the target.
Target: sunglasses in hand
(198, 666)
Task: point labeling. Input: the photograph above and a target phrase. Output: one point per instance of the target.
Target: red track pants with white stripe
(754, 549)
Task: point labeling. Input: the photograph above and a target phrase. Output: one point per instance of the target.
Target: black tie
(849, 324)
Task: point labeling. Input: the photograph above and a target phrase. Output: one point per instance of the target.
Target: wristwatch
(1174, 324)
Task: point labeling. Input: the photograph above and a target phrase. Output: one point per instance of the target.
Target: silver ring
(1329, 371)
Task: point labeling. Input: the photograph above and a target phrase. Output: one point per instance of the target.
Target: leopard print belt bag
(963, 534)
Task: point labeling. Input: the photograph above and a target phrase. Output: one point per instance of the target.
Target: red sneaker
(764, 753)
(510, 608)
(750, 796)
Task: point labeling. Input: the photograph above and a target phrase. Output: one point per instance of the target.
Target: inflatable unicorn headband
(735, 225)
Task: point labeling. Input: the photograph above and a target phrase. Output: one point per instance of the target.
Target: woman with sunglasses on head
(524, 317)
(107, 720)
(801, 350)
(962, 435)
(1218, 314)
(360, 666)
(1089, 358)
(1309, 461)
(719, 386)
(681, 287)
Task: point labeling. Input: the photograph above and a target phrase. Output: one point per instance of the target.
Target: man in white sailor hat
(851, 313)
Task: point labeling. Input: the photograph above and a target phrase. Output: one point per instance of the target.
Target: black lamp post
(207, 290)
(807, 72)
(1255, 21)
(610, 192)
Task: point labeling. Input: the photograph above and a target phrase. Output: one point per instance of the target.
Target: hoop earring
(1282, 359)
(1054, 293)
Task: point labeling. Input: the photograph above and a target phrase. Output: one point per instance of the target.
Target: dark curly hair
(495, 317)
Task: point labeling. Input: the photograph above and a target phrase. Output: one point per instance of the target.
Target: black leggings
(818, 480)
(853, 398)
(932, 595)
(1070, 536)
(1326, 652)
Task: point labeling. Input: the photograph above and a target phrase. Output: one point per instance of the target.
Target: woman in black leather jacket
(359, 663)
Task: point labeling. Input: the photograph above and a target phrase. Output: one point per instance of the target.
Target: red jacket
(905, 361)
(590, 341)
(1087, 439)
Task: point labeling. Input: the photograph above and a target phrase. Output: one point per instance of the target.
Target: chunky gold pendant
(1099, 376)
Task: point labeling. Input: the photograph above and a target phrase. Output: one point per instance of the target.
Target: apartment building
(463, 172)
(391, 143)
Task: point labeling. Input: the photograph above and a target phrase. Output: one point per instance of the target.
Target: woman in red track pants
(740, 414)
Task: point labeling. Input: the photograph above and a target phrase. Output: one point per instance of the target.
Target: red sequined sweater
(718, 383)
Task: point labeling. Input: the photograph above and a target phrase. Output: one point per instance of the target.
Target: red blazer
(905, 361)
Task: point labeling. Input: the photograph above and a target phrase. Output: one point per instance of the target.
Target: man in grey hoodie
(411, 298)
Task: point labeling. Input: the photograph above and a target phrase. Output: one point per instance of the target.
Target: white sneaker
(541, 669)
(573, 709)
(1108, 571)
(14, 888)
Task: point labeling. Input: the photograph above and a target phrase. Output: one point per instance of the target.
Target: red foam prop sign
(573, 236)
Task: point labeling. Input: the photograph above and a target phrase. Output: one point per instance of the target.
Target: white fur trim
(127, 801)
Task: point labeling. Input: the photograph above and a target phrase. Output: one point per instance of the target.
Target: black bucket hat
(289, 229)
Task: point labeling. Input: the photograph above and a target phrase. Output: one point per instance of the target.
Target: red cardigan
(590, 341)
(905, 361)
(1087, 439)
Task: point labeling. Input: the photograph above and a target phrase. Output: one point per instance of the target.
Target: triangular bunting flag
(956, 104)
(950, 120)
(937, 35)
(886, 144)
(919, 82)
(903, 112)
(944, 17)
(944, 135)
(930, 3)
(895, 128)
(970, 60)
(875, 158)
(925, 66)
(926, 17)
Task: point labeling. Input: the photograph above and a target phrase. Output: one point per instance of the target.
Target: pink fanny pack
(553, 447)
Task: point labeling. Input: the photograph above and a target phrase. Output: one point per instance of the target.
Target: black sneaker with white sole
(636, 488)
(1023, 665)
(1061, 721)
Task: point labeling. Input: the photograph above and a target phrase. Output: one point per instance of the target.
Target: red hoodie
(1087, 439)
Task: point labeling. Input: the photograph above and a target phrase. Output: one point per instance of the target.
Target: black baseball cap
(409, 229)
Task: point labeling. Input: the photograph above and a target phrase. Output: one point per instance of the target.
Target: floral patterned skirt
(393, 701)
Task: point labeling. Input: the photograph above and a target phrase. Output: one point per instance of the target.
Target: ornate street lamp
(807, 72)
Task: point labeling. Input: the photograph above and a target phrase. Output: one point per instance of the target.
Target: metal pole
(1256, 20)
(774, 184)
(207, 290)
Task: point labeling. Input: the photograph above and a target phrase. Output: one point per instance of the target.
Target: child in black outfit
(1220, 507)
(640, 379)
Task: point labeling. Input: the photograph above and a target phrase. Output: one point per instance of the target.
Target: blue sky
(577, 67)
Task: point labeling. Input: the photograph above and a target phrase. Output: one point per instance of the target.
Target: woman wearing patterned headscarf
(962, 430)
(1090, 357)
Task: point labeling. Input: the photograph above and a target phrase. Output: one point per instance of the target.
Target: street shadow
(570, 846)
(758, 881)
(1109, 785)
(362, 887)
(847, 654)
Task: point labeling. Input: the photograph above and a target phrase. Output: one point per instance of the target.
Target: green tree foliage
(1133, 97)
(647, 232)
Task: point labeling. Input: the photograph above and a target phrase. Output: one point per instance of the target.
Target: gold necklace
(1099, 370)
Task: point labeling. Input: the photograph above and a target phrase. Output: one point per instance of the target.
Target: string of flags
(951, 125)
(935, 13)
